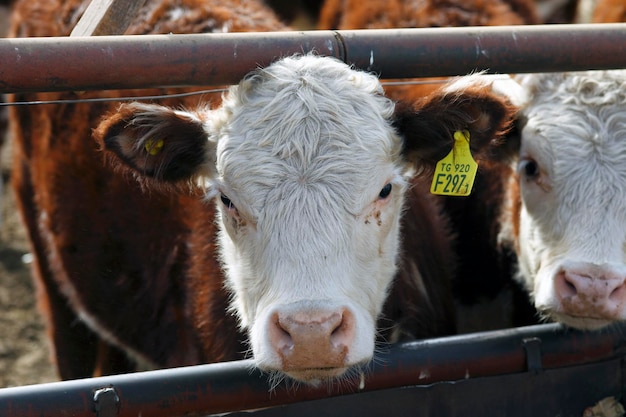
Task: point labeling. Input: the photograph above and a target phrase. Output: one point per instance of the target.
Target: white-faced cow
(565, 210)
(285, 218)
(310, 178)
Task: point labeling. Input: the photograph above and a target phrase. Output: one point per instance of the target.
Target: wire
(107, 99)
(188, 94)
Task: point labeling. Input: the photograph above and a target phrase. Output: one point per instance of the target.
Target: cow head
(306, 165)
(571, 200)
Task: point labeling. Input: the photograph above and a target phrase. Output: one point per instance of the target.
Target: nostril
(338, 329)
(337, 332)
(619, 293)
(279, 334)
(343, 334)
(570, 286)
(565, 286)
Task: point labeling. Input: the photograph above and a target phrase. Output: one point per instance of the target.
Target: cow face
(572, 182)
(308, 173)
(310, 186)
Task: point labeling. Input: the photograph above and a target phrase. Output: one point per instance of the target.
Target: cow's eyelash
(385, 191)
(227, 202)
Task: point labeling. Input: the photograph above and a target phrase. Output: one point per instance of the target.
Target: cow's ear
(469, 104)
(157, 142)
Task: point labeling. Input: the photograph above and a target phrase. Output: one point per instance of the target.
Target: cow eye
(384, 193)
(227, 203)
(529, 168)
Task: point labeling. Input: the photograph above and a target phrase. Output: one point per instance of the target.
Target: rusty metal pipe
(121, 62)
(225, 387)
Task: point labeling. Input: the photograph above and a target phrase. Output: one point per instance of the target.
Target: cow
(370, 14)
(289, 221)
(549, 240)
(484, 280)
(309, 232)
(609, 11)
(558, 191)
(563, 211)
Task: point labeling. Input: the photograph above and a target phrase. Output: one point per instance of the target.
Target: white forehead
(576, 131)
(306, 121)
(578, 118)
(589, 94)
(584, 84)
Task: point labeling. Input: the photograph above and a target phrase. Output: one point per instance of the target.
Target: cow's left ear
(157, 142)
(470, 104)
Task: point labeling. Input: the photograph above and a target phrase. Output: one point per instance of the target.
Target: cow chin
(316, 376)
(580, 323)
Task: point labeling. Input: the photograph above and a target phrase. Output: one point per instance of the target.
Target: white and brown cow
(310, 178)
(566, 209)
(484, 272)
(284, 219)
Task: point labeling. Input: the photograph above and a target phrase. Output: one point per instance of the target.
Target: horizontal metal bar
(554, 392)
(121, 62)
(225, 387)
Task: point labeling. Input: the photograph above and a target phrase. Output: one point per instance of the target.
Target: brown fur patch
(118, 249)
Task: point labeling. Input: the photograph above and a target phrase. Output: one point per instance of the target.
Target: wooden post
(107, 17)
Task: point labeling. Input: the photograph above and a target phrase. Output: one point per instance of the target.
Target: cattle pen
(509, 369)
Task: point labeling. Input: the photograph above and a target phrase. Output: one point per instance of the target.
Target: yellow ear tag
(153, 147)
(454, 174)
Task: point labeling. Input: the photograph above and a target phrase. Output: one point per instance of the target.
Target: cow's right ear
(157, 142)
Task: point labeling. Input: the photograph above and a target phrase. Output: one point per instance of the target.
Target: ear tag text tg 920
(455, 173)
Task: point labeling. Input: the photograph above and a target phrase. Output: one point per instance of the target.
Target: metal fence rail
(234, 386)
(112, 62)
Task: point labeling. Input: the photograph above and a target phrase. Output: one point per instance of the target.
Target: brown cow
(484, 268)
(122, 266)
(563, 210)
(327, 242)
(609, 11)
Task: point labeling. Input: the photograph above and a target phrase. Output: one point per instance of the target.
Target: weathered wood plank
(107, 17)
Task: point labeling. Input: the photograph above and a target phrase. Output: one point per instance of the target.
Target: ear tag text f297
(455, 173)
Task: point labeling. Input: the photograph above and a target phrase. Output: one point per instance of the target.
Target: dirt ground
(24, 354)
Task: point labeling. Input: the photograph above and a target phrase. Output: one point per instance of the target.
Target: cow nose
(591, 294)
(312, 339)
